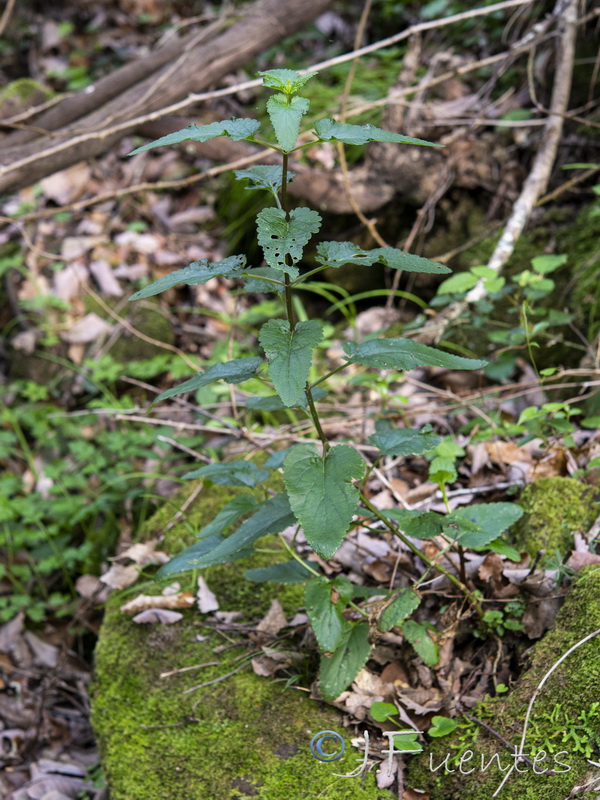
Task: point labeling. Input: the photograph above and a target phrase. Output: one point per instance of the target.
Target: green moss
(560, 714)
(249, 736)
(554, 508)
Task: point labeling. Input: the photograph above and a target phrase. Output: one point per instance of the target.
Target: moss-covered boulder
(554, 508)
(563, 728)
(240, 735)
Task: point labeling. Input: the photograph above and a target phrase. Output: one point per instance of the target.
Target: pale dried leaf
(67, 185)
(207, 600)
(91, 587)
(44, 654)
(88, 329)
(274, 620)
(105, 278)
(158, 615)
(119, 576)
(144, 601)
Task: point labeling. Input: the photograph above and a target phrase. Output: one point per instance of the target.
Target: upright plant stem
(288, 289)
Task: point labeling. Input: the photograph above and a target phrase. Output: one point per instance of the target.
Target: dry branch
(565, 12)
(263, 24)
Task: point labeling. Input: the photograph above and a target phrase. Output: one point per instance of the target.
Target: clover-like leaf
(281, 238)
(195, 274)
(405, 354)
(321, 493)
(330, 130)
(442, 726)
(289, 354)
(236, 129)
(286, 115)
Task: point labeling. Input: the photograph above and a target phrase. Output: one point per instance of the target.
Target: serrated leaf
(230, 513)
(417, 524)
(272, 517)
(274, 403)
(280, 237)
(404, 441)
(231, 473)
(421, 641)
(399, 609)
(289, 354)
(321, 493)
(236, 129)
(330, 130)
(336, 254)
(287, 572)
(263, 176)
(197, 273)
(285, 80)
(405, 354)
(491, 518)
(339, 670)
(236, 371)
(286, 115)
(325, 618)
(260, 279)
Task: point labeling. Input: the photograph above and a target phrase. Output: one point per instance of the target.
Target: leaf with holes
(336, 254)
(236, 129)
(405, 354)
(281, 238)
(289, 354)
(321, 493)
(197, 273)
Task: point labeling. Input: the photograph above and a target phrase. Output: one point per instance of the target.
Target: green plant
(320, 495)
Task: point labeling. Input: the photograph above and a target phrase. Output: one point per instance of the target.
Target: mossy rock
(564, 722)
(244, 736)
(554, 508)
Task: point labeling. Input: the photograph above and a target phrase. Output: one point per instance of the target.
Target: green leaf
(339, 670)
(458, 284)
(330, 130)
(404, 441)
(423, 643)
(591, 422)
(285, 80)
(286, 572)
(236, 371)
(236, 129)
(491, 518)
(442, 470)
(336, 254)
(272, 517)
(260, 279)
(286, 115)
(442, 726)
(280, 238)
(231, 512)
(321, 494)
(325, 618)
(263, 176)
(197, 273)
(418, 524)
(405, 354)
(274, 403)
(399, 609)
(289, 354)
(382, 711)
(545, 264)
(231, 473)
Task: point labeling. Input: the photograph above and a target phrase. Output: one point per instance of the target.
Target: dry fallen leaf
(207, 600)
(157, 615)
(145, 601)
